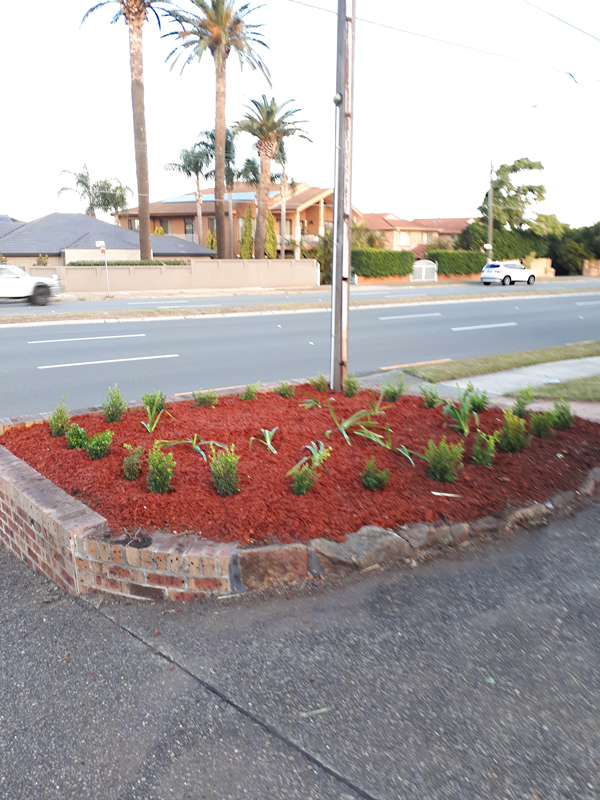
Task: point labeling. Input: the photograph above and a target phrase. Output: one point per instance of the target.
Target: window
(134, 224)
(165, 224)
(189, 225)
(426, 237)
(404, 237)
(212, 224)
(287, 227)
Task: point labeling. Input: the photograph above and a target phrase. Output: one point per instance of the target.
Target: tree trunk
(198, 212)
(231, 248)
(282, 220)
(220, 159)
(139, 133)
(263, 201)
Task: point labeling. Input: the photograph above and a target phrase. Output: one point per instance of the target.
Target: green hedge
(458, 262)
(174, 262)
(374, 263)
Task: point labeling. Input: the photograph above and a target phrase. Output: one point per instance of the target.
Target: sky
(430, 117)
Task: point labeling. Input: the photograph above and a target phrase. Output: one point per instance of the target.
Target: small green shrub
(445, 460)
(374, 478)
(394, 391)
(305, 473)
(378, 263)
(59, 419)
(132, 463)
(250, 391)
(303, 480)
(479, 398)
(77, 438)
(513, 436)
(99, 445)
(541, 424)
(205, 399)
(161, 468)
(484, 449)
(155, 401)
(115, 406)
(563, 415)
(285, 390)
(320, 383)
(431, 397)
(224, 470)
(351, 385)
(461, 414)
(522, 400)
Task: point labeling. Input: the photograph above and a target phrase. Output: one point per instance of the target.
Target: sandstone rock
(532, 516)
(488, 524)
(415, 535)
(262, 567)
(368, 546)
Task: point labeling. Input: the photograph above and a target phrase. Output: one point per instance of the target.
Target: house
(416, 234)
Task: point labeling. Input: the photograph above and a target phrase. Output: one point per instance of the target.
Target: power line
(560, 19)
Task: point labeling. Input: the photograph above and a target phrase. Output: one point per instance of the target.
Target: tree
(270, 124)
(511, 201)
(194, 163)
(83, 187)
(363, 237)
(231, 175)
(247, 242)
(548, 225)
(270, 238)
(570, 256)
(112, 199)
(220, 28)
(135, 13)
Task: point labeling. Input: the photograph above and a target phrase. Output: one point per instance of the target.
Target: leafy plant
(351, 385)
(445, 460)
(99, 445)
(378, 438)
(361, 418)
(305, 472)
(311, 402)
(250, 391)
(393, 391)
(205, 399)
(541, 424)
(267, 440)
(77, 438)
(431, 397)
(479, 398)
(303, 480)
(155, 406)
(374, 478)
(114, 406)
(285, 390)
(461, 413)
(132, 463)
(563, 415)
(59, 419)
(224, 471)
(161, 469)
(512, 434)
(197, 442)
(320, 383)
(522, 400)
(484, 449)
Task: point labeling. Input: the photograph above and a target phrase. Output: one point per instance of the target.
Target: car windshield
(17, 270)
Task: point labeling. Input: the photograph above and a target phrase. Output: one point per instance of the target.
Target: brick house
(416, 234)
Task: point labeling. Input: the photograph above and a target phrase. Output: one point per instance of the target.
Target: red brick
(175, 561)
(117, 553)
(166, 580)
(104, 553)
(181, 596)
(92, 548)
(98, 568)
(161, 560)
(146, 558)
(146, 592)
(209, 584)
(120, 572)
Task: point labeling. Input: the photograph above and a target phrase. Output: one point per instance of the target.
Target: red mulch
(265, 509)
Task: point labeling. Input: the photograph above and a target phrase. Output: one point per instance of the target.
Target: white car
(16, 284)
(506, 272)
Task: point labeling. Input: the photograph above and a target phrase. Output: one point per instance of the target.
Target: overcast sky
(430, 117)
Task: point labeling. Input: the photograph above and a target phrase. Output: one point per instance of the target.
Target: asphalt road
(42, 363)
(471, 677)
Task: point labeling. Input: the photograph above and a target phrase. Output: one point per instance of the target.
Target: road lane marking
(107, 361)
(480, 327)
(589, 303)
(88, 338)
(153, 302)
(418, 364)
(412, 316)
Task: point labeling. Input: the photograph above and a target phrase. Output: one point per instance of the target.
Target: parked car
(506, 272)
(16, 284)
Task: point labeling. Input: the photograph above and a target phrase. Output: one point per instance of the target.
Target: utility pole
(342, 217)
(490, 249)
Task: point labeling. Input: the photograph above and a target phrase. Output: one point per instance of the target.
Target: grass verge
(579, 389)
(465, 368)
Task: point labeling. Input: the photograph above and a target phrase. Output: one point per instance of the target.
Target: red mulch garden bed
(266, 510)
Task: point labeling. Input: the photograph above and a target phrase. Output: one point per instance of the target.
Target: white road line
(107, 361)
(153, 302)
(480, 327)
(88, 338)
(412, 316)
(589, 303)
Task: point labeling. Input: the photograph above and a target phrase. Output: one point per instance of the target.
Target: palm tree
(135, 13)
(83, 187)
(111, 198)
(194, 163)
(219, 27)
(270, 124)
(231, 175)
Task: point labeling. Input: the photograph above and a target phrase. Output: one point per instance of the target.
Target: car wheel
(505, 280)
(531, 279)
(486, 283)
(40, 295)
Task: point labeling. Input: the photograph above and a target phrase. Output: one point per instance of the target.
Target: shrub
(247, 242)
(270, 237)
(351, 385)
(320, 383)
(59, 419)
(431, 397)
(285, 390)
(132, 463)
(563, 415)
(376, 263)
(458, 262)
(250, 391)
(161, 468)
(224, 471)
(374, 478)
(155, 401)
(115, 406)
(512, 434)
(541, 424)
(205, 399)
(167, 262)
(445, 460)
(484, 449)
(99, 445)
(522, 400)
(479, 398)
(461, 414)
(305, 473)
(303, 480)
(393, 391)
(77, 438)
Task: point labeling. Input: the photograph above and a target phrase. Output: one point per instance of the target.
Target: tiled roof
(303, 198)
(392, 222)
(451, 225)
